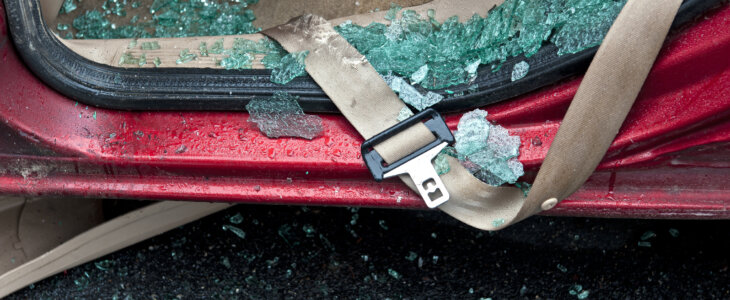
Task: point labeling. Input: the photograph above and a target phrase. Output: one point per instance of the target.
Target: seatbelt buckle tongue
(417, 164)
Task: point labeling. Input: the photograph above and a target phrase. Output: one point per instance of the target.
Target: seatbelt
(115, 234)
(599, 107)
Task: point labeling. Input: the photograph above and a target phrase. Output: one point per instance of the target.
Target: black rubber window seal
(215, 89)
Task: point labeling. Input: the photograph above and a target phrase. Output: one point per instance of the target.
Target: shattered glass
(575, 289)
(281, 116)
(154, 45)
(186, 56)
(242, 54)
(129, 59)
(415, 48)
(584, 24)
(170, 18)
(203, 49)
(409, 94)
(142, 60)
(562, 268)
(393, 11)
(237, 231)
(441, 164)
(236, 219)
(394, 274)
(438, 55)
(67, 7)
(472, 130)
(648, 235)
(217, 47)
(404, 114)
(488, 151)
(525, 187)
(520, 70)
(291, 66)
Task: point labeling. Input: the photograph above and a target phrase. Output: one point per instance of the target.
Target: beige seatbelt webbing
(106, 238)
(600, 106)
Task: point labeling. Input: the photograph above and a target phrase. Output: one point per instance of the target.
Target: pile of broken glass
(170, 18)
(488, 151)
(417, 48)
(413, 53)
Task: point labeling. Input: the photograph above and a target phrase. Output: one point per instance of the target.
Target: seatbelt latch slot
(417, 164)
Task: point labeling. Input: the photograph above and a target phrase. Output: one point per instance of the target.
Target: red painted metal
(670, 159)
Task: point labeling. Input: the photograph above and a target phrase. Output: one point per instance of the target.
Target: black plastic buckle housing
(433, 122)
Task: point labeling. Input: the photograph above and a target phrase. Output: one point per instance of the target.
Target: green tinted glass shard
(159, 4)
(363, 39)
(237, 231)
(92, 24)
(441, 164)
(648, 235)
(498, 159)
(393, 11)
(237, 61)
(502, 143)
(67, 7)
(453, 51)
(442, 75)
(450, 151)
(203, 49)
(404, 114)
(272, 60)
(185, 57)
(281, 116)
(173, 18)
(292, 66)
(471, 69)
(157, 62)
(262, 46)
(394, 274)
(431, 99)
(154, 45)
(142, 59)
(575, 289)
(62, 26)
(114, 7)
(217, 47)
(236, 219)
(410, 95)
(520, 70)
(472, 132)
(486, 150)
(587, 26)
(128, 59)
(525, 187)
(419, 75)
